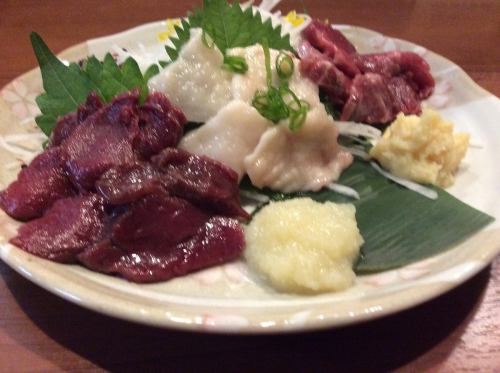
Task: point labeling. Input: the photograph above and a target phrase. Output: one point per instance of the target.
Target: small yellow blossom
(294, 19)
(171, 23)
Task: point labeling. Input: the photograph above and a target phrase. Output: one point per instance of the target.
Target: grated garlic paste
(303, 246)
(423, 149)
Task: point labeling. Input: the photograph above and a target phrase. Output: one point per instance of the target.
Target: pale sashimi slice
(244, 86)
(298, 161)
(196, 81)
(229, 136)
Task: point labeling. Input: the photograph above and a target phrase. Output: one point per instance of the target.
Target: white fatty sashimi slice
(195, 82)
(229, 136)
(305, 160)
(244, 86)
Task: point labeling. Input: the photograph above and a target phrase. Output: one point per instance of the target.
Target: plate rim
(370, 312)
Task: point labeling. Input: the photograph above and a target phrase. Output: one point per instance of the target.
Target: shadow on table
(379, 345)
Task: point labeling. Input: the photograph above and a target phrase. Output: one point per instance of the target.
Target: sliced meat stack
(113, 193)
(369, 88)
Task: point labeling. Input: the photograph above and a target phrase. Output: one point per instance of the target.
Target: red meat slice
(67, 228)
(103, 141)
(382, 85)
(37, 187)
(217, 241)
(408, 65)
(201, 180)
(128, 183)
(157, 220)
(161, 126)
(322, 71)
(333, 44)
(67, 124)
(375, 99)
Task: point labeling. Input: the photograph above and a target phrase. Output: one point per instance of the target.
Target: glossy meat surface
(370, 88)
(37, 187)
(127, 183)
(67, 228)
(201, 180)
(218, 240)
(155, 221)
(161, 126)
(67, 124)
(95, 194)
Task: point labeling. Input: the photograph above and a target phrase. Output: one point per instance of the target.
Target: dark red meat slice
(67, 228)
(369, 100)
(408, 65)
(370, 88)
(201, 180)
(37, 187)
(157, 220)
(102, 141)
(128, 183)
(333, 44)
(404, 98)
(322, 71)
(325, 38)
(67, 124)
(217, 241)
(375, 98)
(91, 106)
(161, 126)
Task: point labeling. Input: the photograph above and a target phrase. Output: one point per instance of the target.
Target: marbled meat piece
(37, 187)
(102, 141)
(407, 65)
(217, 241)
(67, 124)
(333, 44)
(128, 183)
(67, 228)
(375, 98)
(201, 180)
(161, 126)
(157, 220)
(371, 88)
(323, 71)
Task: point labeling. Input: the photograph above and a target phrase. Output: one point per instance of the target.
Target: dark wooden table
(459, 331)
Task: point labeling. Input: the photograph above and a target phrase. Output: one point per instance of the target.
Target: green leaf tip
(68, 85)
(229, 26)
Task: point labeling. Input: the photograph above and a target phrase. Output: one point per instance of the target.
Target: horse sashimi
(37, 187)
(95, 194)
(157, 220)
(370, 88)
(128, 183)
(103, 141)
(217, 241)
(201, 180)
(161, 125)
(67, 228)
(67, 124)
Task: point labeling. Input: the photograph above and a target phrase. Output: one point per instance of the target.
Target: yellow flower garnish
(171, 23)
(295, 20)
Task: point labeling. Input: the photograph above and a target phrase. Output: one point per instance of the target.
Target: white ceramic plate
(229, 298)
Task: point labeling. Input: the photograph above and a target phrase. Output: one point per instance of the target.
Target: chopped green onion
(297, 118)
(267, 62)
(270, 105)
(236, 64)
(278, 103)
(284, 66)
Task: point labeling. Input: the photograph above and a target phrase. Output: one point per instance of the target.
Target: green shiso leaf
(399, 226)
(229, 26)
(181, 38)
(66, 87)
